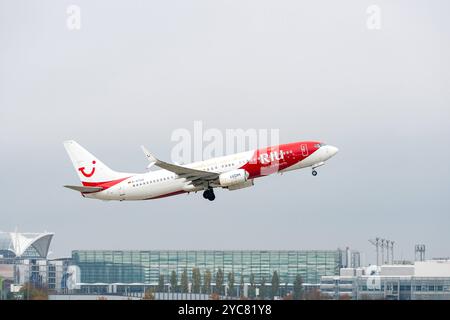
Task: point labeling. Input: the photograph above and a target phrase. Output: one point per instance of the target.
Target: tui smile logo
(88, 175)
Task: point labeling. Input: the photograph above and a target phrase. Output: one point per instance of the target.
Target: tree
(214, 296)
(314, 294)
(231, 284)
(30, 292)
(288, 296)
(345, 296)
(161, 283)
(275, 284)
(1, 288)
(184, 282)
(298, 288)
(207, 282)
(252, 289)
(262, 289)
(219, 282)
(149, 294)
(196, 280)
(173, 281)
(241, 286)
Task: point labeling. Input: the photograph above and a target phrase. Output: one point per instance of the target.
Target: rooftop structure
(24, 245)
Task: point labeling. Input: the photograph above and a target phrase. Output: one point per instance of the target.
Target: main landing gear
(314, 173)
(209, 194)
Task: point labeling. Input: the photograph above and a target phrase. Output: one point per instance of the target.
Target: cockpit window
(318, 145)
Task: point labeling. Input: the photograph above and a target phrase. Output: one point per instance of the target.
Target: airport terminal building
(121, 273)
(134, 269)
(24, 259)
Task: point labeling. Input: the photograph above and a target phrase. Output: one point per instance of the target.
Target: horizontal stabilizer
(84, 189)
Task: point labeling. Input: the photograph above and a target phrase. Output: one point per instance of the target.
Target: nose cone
(332, 151)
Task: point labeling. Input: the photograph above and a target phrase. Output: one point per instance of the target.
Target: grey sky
(137, 70)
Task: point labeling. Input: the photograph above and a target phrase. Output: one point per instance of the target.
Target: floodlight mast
(376, 243)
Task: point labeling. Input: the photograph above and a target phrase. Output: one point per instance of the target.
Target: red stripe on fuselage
(270, 160)
(104, 184)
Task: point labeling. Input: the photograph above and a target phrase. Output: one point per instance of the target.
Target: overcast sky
(138, 70)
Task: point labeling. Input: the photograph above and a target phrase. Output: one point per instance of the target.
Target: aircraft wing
(84, 189)
(194, 175)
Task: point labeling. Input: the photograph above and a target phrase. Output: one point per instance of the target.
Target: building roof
(432, 268)
(26, 245)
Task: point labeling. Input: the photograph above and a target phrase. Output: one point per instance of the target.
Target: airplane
(231, 172)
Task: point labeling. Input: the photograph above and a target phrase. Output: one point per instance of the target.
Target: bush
(31, 292)
(149, 294)
(214, 296)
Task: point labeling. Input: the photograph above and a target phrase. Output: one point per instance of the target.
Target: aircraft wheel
(314, 173)
(209, 194)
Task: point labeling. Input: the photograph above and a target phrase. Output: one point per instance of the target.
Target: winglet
(151, 158)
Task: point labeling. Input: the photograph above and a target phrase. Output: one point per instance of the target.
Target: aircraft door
(121, 191)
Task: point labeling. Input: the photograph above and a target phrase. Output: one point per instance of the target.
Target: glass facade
(147, 266)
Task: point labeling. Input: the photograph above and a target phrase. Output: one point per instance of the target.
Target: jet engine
(246, 184)
(233, 177)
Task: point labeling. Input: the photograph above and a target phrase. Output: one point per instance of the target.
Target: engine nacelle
(234, 177)
(246, 184)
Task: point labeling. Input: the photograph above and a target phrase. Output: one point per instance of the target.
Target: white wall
(432, 268)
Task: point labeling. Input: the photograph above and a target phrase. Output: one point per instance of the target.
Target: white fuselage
(162, 183)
